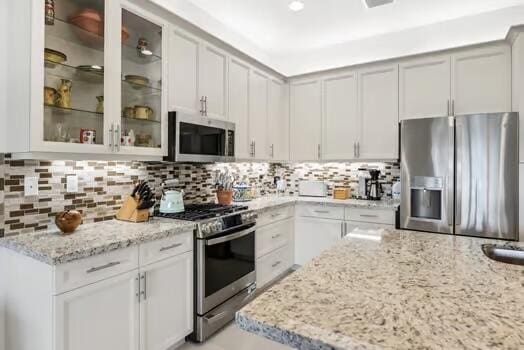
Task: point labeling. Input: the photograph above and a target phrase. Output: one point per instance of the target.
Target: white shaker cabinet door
(102, 316)
(306, 120)
(378, 110)
(481, 80)
(313, 236)
(166, 308)
(258, 110)
(340, 120)
(213, 81)
(424, 88)
(183, 73)
(278, 120)
(239, 106)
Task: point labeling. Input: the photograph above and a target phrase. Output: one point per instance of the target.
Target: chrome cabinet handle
(275, 215)
(205, 106)
(342, 229)
(137, 287)
(319, 152)
(272, 150)
(112, 137)
(202, 106)
(453, 107)
(276, 236)
(276, 264)
(117, 138)
(143, 281)
(368, 216)
(448, 110)
(254, 148)
(103, 267)
(355, 149)
(169, 247)
(358, 149)
(321, 211)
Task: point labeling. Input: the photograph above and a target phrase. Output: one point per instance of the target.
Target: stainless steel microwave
(198, 139)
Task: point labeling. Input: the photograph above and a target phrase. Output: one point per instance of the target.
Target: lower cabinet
(314, 235)
(102, 315)
(166, 305)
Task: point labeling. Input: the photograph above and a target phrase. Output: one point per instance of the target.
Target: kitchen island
(390, 289)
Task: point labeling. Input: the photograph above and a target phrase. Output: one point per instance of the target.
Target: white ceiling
(272, 33)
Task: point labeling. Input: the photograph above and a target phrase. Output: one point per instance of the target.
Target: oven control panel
(225, 223)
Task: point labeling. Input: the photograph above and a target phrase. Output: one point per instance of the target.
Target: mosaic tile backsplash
(104, 184)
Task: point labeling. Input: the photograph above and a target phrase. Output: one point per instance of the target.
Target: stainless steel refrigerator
(460, 175)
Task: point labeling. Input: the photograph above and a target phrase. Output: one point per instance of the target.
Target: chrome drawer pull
(276, 236)
(321, 211)
(276, 264)
(368, 216)
(275, 215)
(173, 246)
(106, 266)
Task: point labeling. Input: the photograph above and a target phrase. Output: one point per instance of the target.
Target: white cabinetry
(239, 105)
(341, 122)
(378, 110)
(314, 235)
(278, 120)
(305, 120)
(213, 81)
(481, 80)
(465, 82)
(184, 71)
(258, 112)
(102, 315)
(104, 302)
(199, 76)
(424, 88)
(166, 308)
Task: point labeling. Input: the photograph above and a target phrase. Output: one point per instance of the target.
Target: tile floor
(233, 338)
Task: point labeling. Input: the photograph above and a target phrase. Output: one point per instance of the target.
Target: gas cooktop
(196, 212)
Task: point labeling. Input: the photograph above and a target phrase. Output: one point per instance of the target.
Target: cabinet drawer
(165, 248)
(273, 236)
(273, 264)
(89, 270)
(320, 211)
(379, 216)
(273, 215)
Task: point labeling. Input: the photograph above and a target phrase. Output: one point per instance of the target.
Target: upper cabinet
(239, 105)
(341, 121)
(305, 120)
(94, 80)
(425, 88)
(198, 77)
(465, 82)
(481, 80)
(378, 112)
(258, 111)
(278, 120)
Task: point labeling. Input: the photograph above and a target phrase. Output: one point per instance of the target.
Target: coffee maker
(374, 187)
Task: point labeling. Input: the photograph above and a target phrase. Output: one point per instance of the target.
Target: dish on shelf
(52, 56)
(92, 21)
(90, 73)
(137, 81)
(50, 96)
(143, 112)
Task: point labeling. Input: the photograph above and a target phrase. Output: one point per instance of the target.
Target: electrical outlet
(31, 186)
(72, 183)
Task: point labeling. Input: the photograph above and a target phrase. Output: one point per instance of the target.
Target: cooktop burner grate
(195, 212)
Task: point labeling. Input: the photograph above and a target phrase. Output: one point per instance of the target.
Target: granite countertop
(398, 290)
(271, 202)
(92, 239)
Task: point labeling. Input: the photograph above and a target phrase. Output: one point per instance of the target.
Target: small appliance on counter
(374, 189)
(312, 189)
(172, 201)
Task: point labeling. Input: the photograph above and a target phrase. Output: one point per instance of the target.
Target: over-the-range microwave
(198, 139)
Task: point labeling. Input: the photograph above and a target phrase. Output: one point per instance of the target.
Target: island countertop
(92, 239)
(397, 290)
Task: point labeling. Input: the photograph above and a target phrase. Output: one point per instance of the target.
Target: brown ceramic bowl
(68, 221)
(92, 21)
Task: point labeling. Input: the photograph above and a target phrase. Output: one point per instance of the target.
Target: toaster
(312, 189)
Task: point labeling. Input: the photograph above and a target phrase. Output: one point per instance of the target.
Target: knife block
(129, 211)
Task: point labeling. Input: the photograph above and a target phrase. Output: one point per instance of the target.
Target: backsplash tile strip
(103, 185)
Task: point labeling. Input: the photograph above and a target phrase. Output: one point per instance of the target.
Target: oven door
(200, 139)
(225, 267)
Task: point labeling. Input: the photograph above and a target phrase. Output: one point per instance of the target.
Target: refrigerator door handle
(458, 173)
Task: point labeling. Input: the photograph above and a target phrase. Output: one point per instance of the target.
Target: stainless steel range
(225, 277)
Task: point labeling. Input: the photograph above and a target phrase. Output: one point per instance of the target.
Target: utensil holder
(225, 197)
(129, 211)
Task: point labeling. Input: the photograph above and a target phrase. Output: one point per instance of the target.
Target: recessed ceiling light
(296, 5)
(376, 3)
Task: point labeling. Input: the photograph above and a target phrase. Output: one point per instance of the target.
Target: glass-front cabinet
(103, 72)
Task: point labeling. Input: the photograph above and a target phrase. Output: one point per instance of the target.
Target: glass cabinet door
(74, 71)
(142, 69)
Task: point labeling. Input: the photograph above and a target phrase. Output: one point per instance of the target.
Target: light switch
(72, 183)
(31, 186)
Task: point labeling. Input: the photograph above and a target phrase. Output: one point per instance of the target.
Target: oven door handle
(230, 237)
